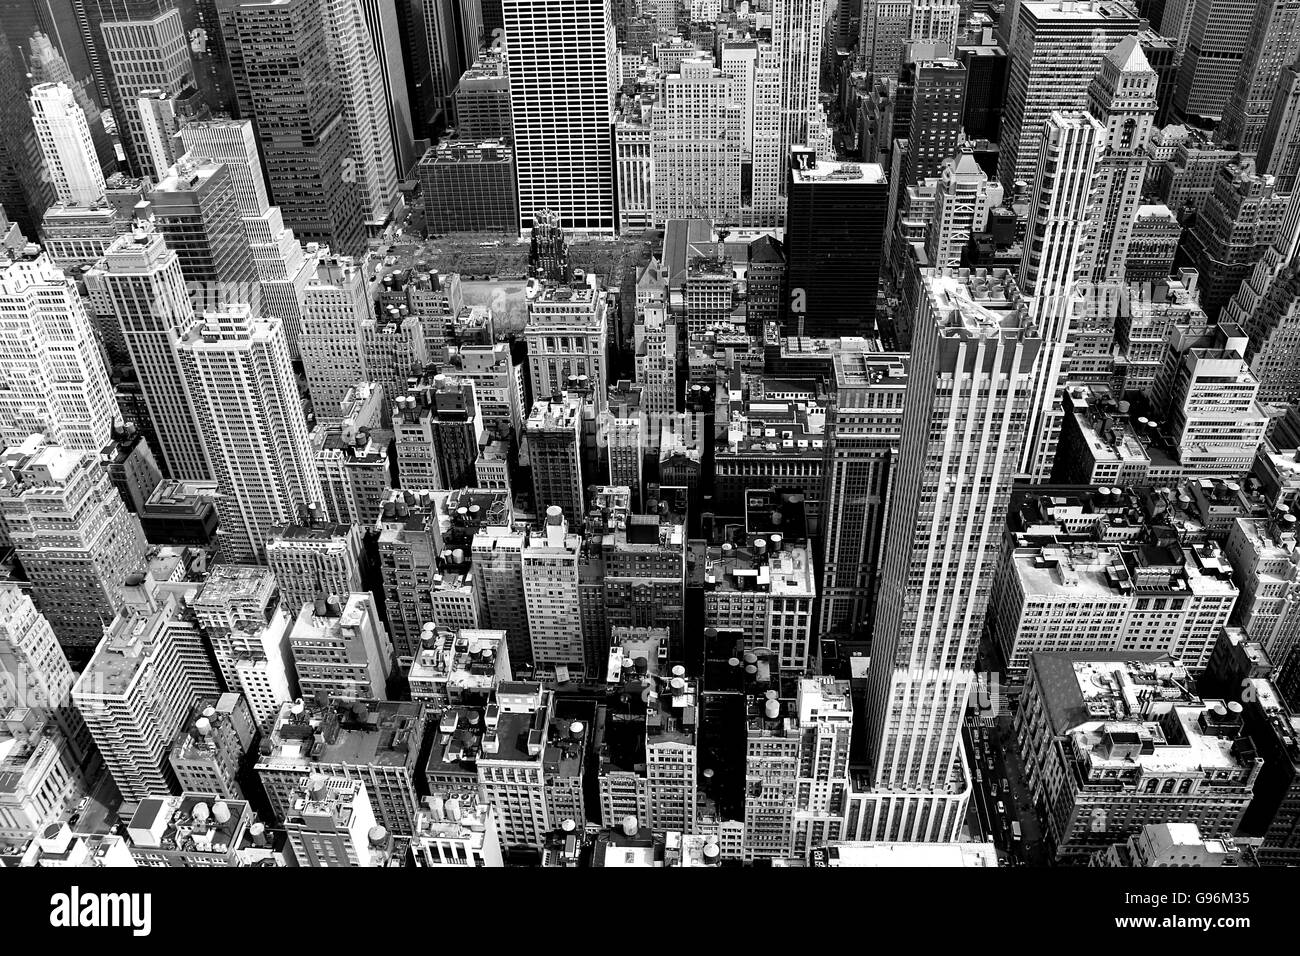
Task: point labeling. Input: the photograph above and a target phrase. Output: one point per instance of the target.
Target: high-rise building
(553, 436)
(142, 286)
(210, 750)
(1273, 44)
(1217, 37)
(331, 822)
(76, 541)
(64, 135)
(55, 381)
(1115, 758)
(963, 199)
(1240, 221)
(885, 26)
(284, 62)
(550, 576)
(144, 47)
(511, 765)
(359, 75)
(938, 95)
(247, 628)
(451, 34)
(335, 304)
(195, 209)
(498, 557)
(263, 462)
(469, 186)
(973, 356)
(696, 144)
(1123, 99)
(568, 336)
(385, 23)
(1056, 51)
(1060, 224)
(825, 712)
(835, 215)
(146, 676)
(863, 435)
(34, 671)
(312, 557)
(562, 73)
(233, 144)
(1279, 142)
(483, 99)
(341, 650)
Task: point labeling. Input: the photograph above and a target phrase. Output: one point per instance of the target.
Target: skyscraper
(285, 65)
(145, 46)
(1279, 144)
(55, 382)
(136, 693)
(1123, 99)
(835, 215)
(863, 433)
(1273, 45)
(335, 303)
(695, 145)
(554, 441)
(550, 578)
(263, 462)
(233, 144)
(1060, 227)
(65, 140)
(195, 209)
(358, 73)
(938, 95)
(561, 63)
(141, 282)
(1216, 43)
(974, 351)
(1057, 48)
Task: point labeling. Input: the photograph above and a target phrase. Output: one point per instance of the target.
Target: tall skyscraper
(1279, 144)
(938, 95)
(1273, 44)
(695, 145)
(65, 140)
(285, 64)
(797, 31)
(358, 73)
(452, 35)
(141, 283)
(1123, 99)
(1216, 43)
(195, 209)
(835, 215)
(863, 434)
(263, 461)
(136, 693)
(561, 61)
(384, 23)
(54, 379)
(233, 144)
(76, 540)
(1057, 49)
(1060, 224)
(969, 390)
(145, 48)
(335, 304)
